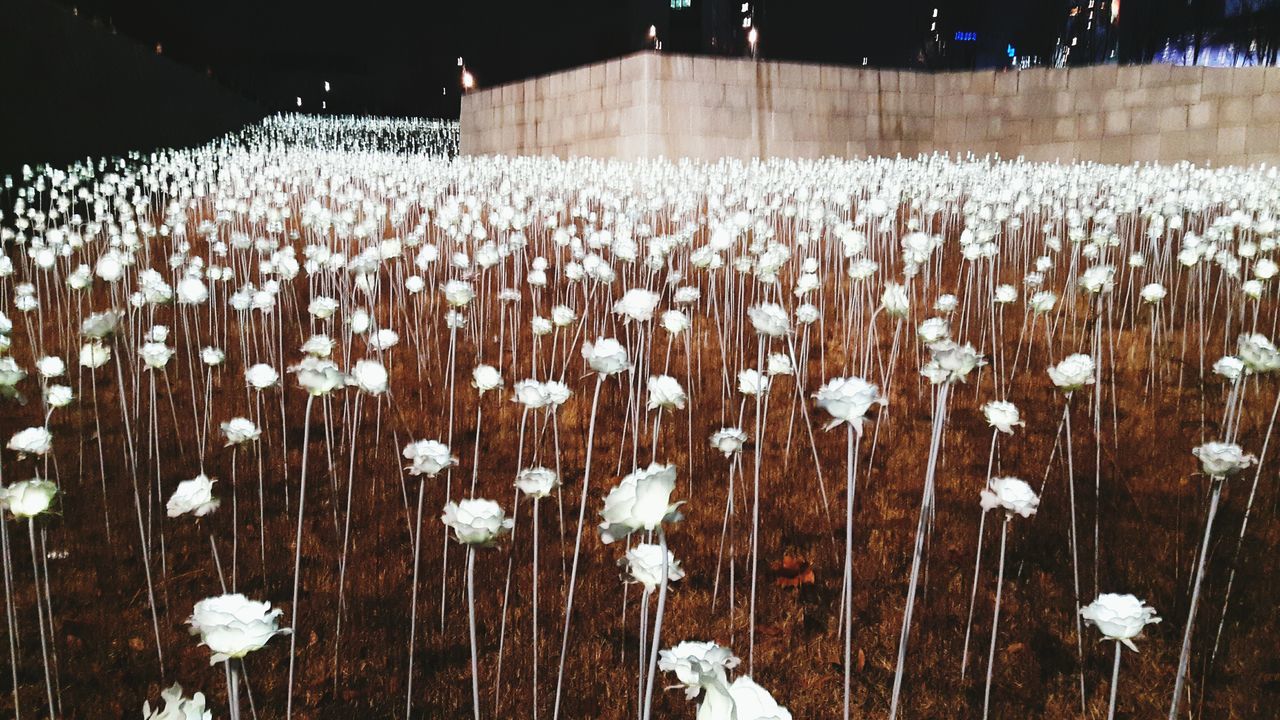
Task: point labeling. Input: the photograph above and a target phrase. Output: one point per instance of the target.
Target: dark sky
(396, 57)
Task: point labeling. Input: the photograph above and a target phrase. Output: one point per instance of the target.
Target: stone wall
(649, 105)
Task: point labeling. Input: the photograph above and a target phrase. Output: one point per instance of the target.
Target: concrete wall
(649, 104)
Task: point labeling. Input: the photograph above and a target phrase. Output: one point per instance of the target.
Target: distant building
(706, 27)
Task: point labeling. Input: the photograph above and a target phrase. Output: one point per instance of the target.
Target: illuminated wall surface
(648, 105)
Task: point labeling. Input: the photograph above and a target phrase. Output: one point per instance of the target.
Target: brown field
(1149, 514)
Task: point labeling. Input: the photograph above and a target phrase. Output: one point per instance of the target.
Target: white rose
(318, 345)
(261, 376)
(531, 393)
(697, 664)
(1012, 494)
(665, 392)
(644, 564)
(233, 626)
(848, 400)
(322, 308)
(240, 430)
(192, 291)
(1074, 372)
(606, 356)
(1219, 459)
(458, 293)
(194, 496)
(728, 440)
(1005, 294)
(951, 362)
(32, 441)
(1043, 302)
(476, 521)
(675, 322)
(752, 383)
(640, 501)
(562, 316)
(177, 707)
(1153, 293)
(933, 330)
(428, 457)
(155, 355)
(58, 396)
(1002, 415)
(636, 304)
(28, 498)
(94, 355)
(537, 482)
(1258, 353)
(318, 376)
(485, 378)
(50, 367)
(212, 356)
(752, 702)
(770, 320)
(370, 376)
(1119, 617)
(895, 301)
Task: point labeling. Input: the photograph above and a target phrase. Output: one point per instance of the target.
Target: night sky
(395, 58)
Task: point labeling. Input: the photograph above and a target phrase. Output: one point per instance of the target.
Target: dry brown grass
(1151, 513)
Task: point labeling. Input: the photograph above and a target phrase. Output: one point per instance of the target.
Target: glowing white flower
(1013, 495)
(240, 430)
(770, 320)
(665, 392)
(537, 482)
(370, 376)
(1230, 367)
(28, 498)
(1002, 415)
(1153, 293)
(752, 702)
(894, 300)
(644, 563)
(606, 356)
(212, 356)
(698, 664)
(233, 626)
(428, 457)
(155, 355)
(636, 304)
(752, 383)
(1074, 372)
(318, 376)
(322, 308)
(1258, 353)
(562, 316)
(50, 367)
(933, 330)
(318, 345)
(58, 396)
(261, 376)
(728, 440)
(1043, 302)
(951, 362)
(1006, 294)
(1119, 617)
(1098, 278)
(194, 496)
(94, 355)
(675, 322)
(476, 521)
(485, 378)
(31, 441)
(847, 400)
(177, 707)
(640, 501)
(458, 293)
(1220, 459)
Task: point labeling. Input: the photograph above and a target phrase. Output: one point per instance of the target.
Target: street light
(753, 37)
(468, 80)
